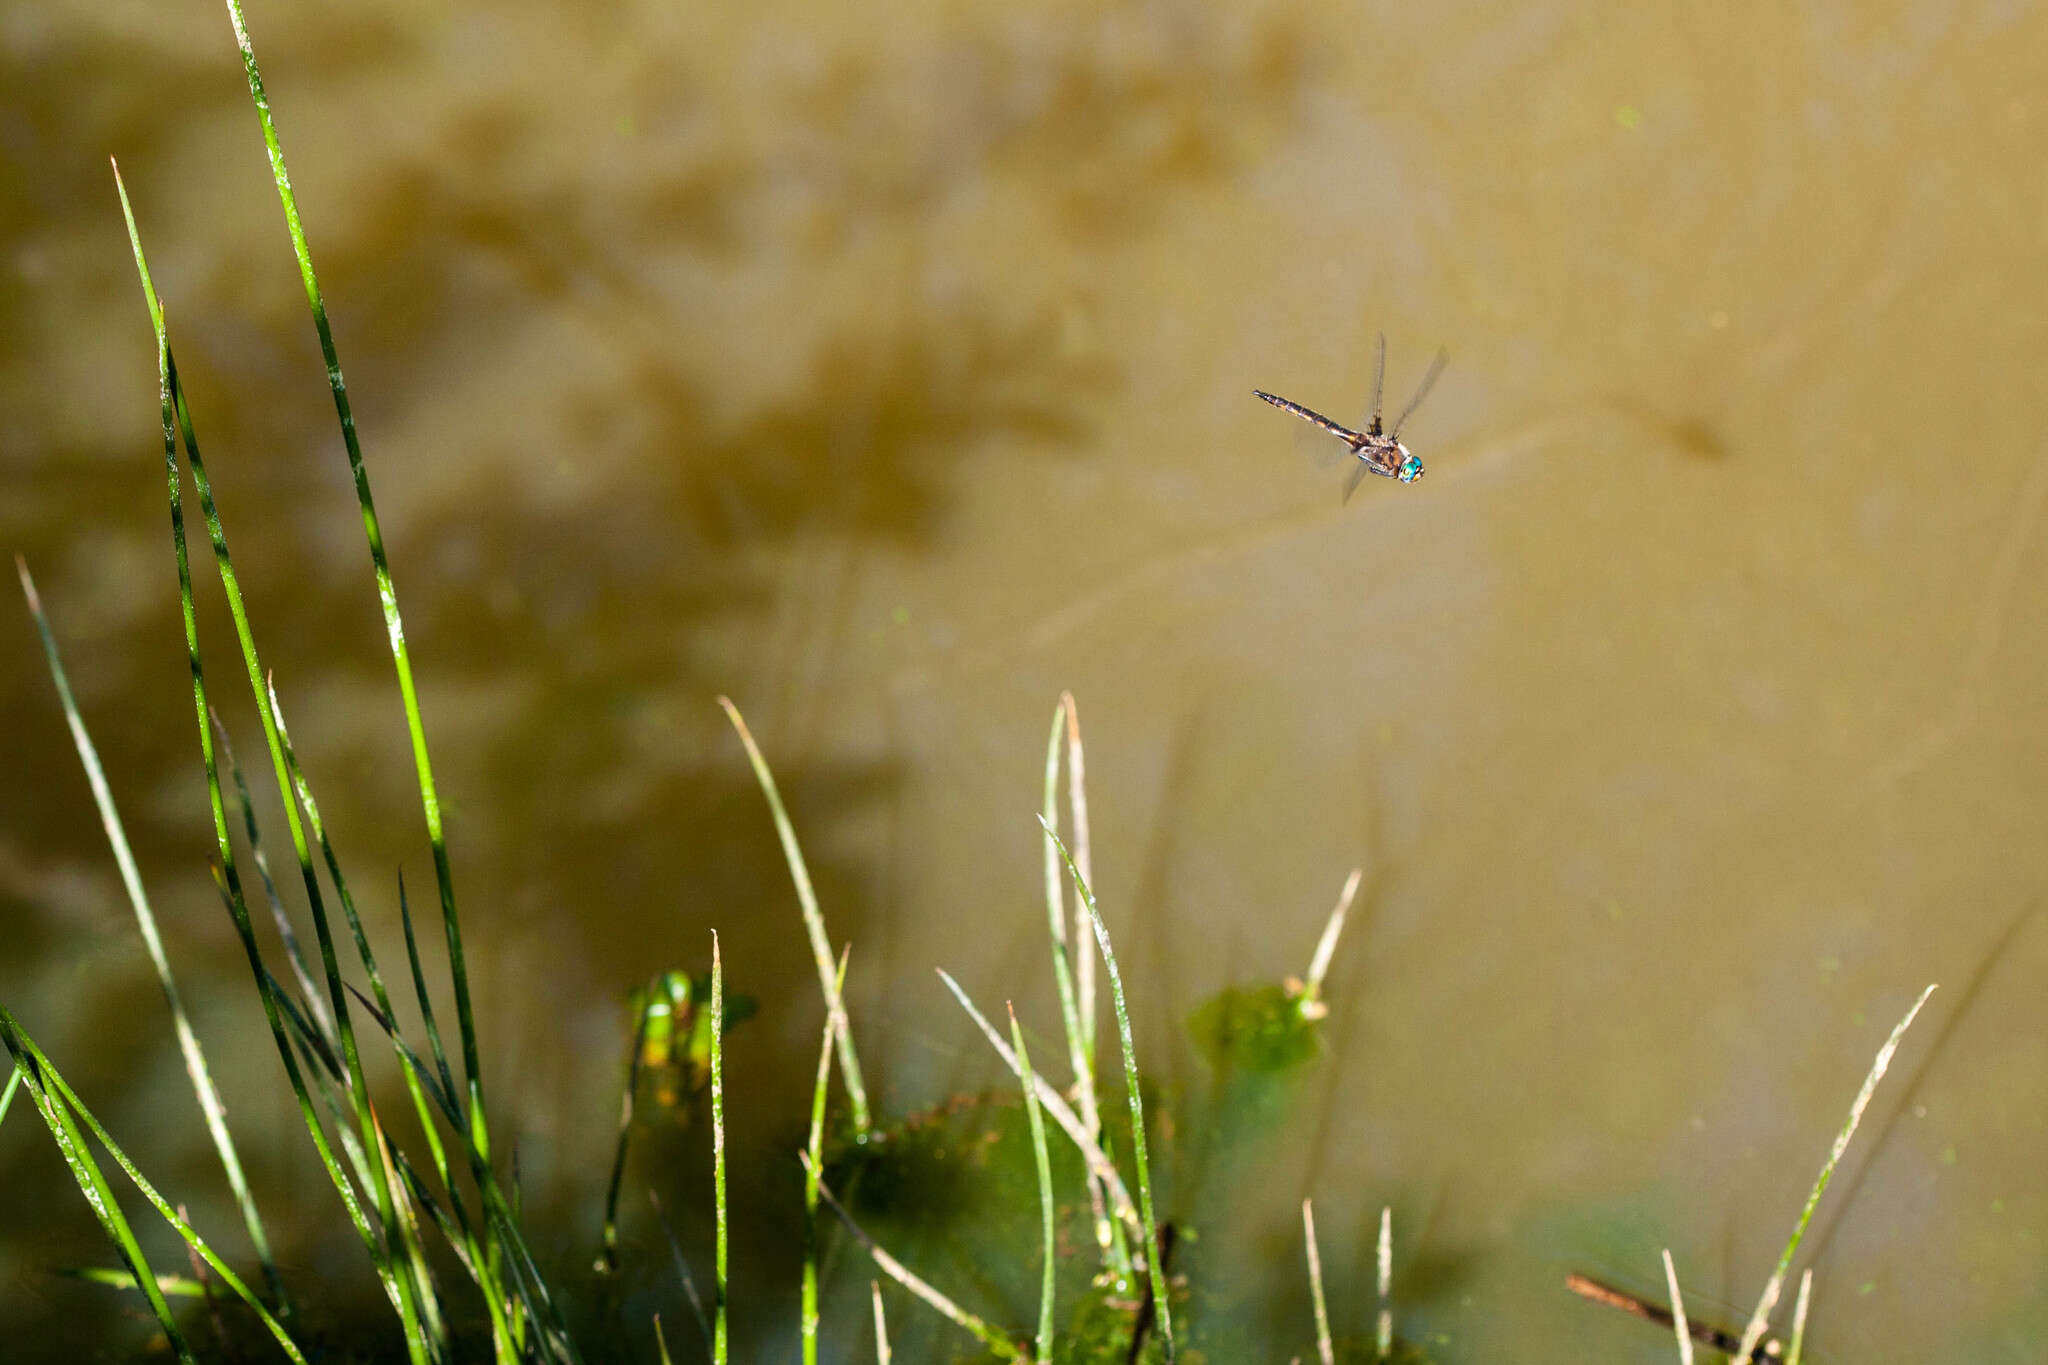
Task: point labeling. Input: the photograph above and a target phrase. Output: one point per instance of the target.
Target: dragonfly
(1379, 449)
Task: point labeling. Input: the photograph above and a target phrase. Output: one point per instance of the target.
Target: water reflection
(888, 372)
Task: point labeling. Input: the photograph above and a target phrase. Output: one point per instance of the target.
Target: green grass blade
(1091, 1149)
(294, 955)
(419, 985)
(1042, 1345)
(7, 1095)
(808, 1318)
(1325, 1351)
(661, 1342)
(814, 920)
(1155, 1271)
(718, 1331)
(42, 1084)
(176, 423)
(387, 593)
(1759, 1321)
(998, 1344)
(210, 1106)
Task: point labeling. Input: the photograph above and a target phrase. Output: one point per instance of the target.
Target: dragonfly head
(1410, 468)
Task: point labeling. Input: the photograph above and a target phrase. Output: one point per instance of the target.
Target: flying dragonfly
(1379, 450)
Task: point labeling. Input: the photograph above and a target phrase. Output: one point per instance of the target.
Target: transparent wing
(1371, 421)
(1436, 367)
(1356, 478)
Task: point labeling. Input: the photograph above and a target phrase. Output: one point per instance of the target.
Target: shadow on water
(583, 626)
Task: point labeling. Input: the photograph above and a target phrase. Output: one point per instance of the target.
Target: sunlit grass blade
(1679, 1326)
(99, 1195)
(1079, 1023)
(1153, 1269)
(176, 423)
(1799, 1308)
(815, 1146)
(661, 1342)
(1056, 924)
(1759, 1321)
(387, 593)
(814, 919)
(1091, 1150)
(718, 1325)
(7, 1095)
(1311, 993)
(998, 1344)
(1077, 812)
(210, 1105)
(64, 1103)
(881, 1325)
(1326, 1351)
(1383, 1327)
(1042, 1344)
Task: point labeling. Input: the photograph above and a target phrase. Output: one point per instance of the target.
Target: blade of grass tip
(1091, 1150)
(1155, 1271)
(1326, 1351)
(175, 423)
(1678, 1322)
(294, 955)
(1042, 1346)
(1759, 1321)
(211, 1108)
(995, 1341)
(675, 1247)
(1799, 1317)
(1312, 1006)
(99, 1195)
(881, 1326)
(174, 1217)
(1077, 809)
(1075, 983)
(608, 1250)
(808, 1318)
(814, 920)
(1383, 1328)
(718, 1334)
(387, 592)
(660, 1341)
(1056, 924)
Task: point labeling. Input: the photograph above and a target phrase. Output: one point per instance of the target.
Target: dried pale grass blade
(1326, 1351)
(1760, 1320)
(1678, 1322)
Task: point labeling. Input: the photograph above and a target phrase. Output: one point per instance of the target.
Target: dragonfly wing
(1436, 367)
(1356, 477)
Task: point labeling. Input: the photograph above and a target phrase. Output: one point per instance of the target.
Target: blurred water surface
(890, 369)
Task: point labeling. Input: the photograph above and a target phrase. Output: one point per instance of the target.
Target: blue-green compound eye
(1410, 471)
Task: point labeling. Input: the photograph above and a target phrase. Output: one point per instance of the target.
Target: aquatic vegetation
(1079, 1226)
